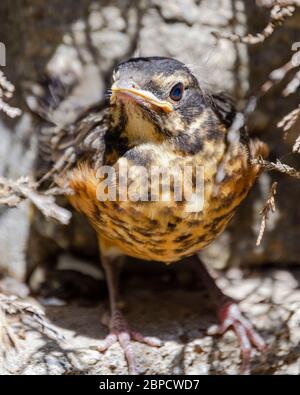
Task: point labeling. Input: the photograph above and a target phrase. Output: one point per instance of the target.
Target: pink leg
(231, 317)
(119, 329)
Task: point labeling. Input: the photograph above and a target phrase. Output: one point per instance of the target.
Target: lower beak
(142, 95)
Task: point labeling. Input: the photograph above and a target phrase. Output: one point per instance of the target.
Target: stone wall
(85, 42)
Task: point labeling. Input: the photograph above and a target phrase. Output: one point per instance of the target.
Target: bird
(157, 115)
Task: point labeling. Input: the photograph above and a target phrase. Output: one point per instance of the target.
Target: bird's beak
(142, 96)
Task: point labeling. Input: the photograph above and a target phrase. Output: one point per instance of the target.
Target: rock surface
(84, 44)
(174, 308)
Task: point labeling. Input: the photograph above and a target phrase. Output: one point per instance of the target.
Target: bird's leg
(118, 327)
(231, 317)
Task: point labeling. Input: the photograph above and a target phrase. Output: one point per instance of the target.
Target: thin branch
(289, 120)
(286, 3)
(6, 92)
(277, 75)
(269, 207)
(296, 147)
(281, 167)
(279, 13)
(11, 307)
(13, 192)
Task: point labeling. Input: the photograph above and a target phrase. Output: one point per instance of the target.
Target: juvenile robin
(158, 115)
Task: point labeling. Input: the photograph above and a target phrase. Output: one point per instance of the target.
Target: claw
(231, 317)
(119, 332)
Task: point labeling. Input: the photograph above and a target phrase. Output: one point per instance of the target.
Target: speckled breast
(164, 230)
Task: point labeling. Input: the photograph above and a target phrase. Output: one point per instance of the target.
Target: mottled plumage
(145, 126)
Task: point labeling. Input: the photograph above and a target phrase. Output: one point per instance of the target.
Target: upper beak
(142, 95)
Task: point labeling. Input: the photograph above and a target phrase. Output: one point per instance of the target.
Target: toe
(150, 341)
(245, 346)
(120, 332)
(108, 342)
(125, 343)
(232, 318)
(257, 340)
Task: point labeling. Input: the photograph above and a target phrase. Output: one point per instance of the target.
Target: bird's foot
(231, 317)
(121, 333)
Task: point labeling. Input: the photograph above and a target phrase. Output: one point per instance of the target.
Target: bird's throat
(136, 126)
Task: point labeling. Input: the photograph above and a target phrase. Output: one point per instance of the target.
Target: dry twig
(269, 207)
(282, 3)
(12, 308)
(281, 167)
(296, 147)
(279, 13)
(13, 192)
(289, 120)
(276, 76)
(6, 92)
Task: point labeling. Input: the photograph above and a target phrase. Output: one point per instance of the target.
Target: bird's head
(156, 99)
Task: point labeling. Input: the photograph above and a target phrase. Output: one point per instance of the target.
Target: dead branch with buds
(12, 193)
(6, 92)
(278, 166)
(278, 14)
(280, 11)
(268, 208)
(12, 309)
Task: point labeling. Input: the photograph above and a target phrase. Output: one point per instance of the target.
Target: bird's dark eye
(177, 91)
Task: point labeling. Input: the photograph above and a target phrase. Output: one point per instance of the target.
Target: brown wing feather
(63, 146)
(68, 146)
